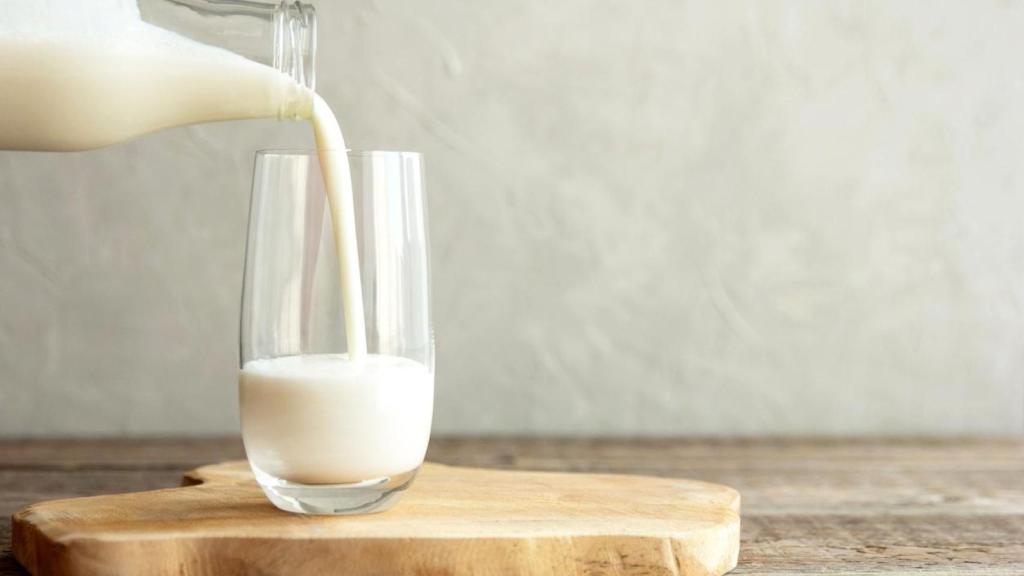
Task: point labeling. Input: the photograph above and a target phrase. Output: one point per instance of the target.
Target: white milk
(320, 419)
(338, 182)
(80, 75)
(334, 419)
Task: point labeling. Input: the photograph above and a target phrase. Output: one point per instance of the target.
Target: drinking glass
(323, 434)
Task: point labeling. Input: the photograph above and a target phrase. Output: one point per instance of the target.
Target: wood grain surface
(453, 521)
(854, 507)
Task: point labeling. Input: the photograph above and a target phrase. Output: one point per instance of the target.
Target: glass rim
(313, 152)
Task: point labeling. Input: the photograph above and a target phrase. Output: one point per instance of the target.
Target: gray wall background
(649, 217)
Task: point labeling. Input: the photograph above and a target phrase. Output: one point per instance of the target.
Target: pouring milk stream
(80, 74)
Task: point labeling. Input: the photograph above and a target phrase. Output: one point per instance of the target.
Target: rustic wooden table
(809, 506)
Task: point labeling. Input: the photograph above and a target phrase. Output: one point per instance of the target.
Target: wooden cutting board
(452, 521)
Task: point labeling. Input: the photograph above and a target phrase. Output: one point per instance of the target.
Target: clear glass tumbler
(325, 435)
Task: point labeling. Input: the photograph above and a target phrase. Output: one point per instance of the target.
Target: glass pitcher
(84, 74)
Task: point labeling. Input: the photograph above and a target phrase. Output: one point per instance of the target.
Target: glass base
(365, 497)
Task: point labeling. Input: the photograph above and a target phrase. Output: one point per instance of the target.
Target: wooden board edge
(544, 555)
(26, 538)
